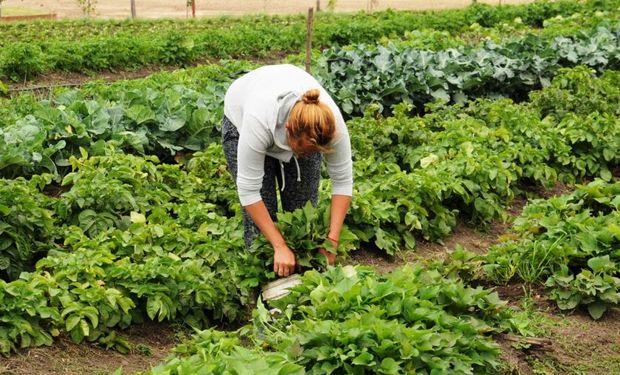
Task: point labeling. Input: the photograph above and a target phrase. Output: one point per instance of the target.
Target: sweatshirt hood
(285, 101)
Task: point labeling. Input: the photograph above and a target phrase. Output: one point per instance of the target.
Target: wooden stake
(193, 8)
(309, 39)
(318, 6)
(133, 8)
(538, 343)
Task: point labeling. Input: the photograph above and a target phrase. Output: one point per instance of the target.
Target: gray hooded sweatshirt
(258, 104)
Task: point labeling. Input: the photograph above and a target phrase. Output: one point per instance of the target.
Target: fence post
(309, 39)
(133, 8)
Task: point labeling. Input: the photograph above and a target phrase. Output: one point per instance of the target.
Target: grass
(579, 347)
(597, 365)
(541, 321)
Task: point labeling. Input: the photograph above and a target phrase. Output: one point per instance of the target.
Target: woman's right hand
(283, 261)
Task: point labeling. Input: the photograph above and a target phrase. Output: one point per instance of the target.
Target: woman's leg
(300, 184)
(230, 141)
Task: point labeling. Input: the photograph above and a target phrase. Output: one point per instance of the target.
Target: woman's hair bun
(311, 96)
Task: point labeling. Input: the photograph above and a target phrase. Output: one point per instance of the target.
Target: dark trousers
(296, 192)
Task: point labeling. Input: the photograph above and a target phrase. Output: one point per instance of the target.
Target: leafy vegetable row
(362, 74)
(130, 239)
(160, 115)
(28, 50)
(476, 35)
(179, 112)
(355, 321)
(328, 25)
(416, 175)
(568, 243)
(124, 239)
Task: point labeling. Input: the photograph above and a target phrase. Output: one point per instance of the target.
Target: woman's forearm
(259, 214)
(283, 257)
(339, 208)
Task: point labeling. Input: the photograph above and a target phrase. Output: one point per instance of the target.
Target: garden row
(174, 113)
(360, 75)
(355, 321)
(476, 35)
(425, 318)
(570, 244)
(28, 50)
(417, 174)
(160, 115)
(126, 238)
(330, 27)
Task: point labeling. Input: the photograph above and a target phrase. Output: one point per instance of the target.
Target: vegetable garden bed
(116, 210)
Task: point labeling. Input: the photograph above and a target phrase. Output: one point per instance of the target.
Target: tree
(88, 6)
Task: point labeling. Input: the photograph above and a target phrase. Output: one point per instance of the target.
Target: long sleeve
(339, 163)
(253, 143)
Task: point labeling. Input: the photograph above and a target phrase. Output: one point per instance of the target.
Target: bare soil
(152, 343)
(585, 345)
(580, 345)
(177, 8)
(464, 235)
(44, 83)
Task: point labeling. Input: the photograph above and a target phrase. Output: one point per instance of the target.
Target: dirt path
(177, 8)
(151, 342)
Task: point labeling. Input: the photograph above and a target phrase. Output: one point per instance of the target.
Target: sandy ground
(177, 8)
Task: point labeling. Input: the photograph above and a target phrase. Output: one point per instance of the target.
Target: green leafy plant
(596, 288)
(361, 74)
(26, 227)
(352, 320)
(305, 231)
(22, 61)
(163, 115)
(567, 243)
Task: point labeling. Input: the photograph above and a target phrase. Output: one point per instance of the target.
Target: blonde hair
(312, 125)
